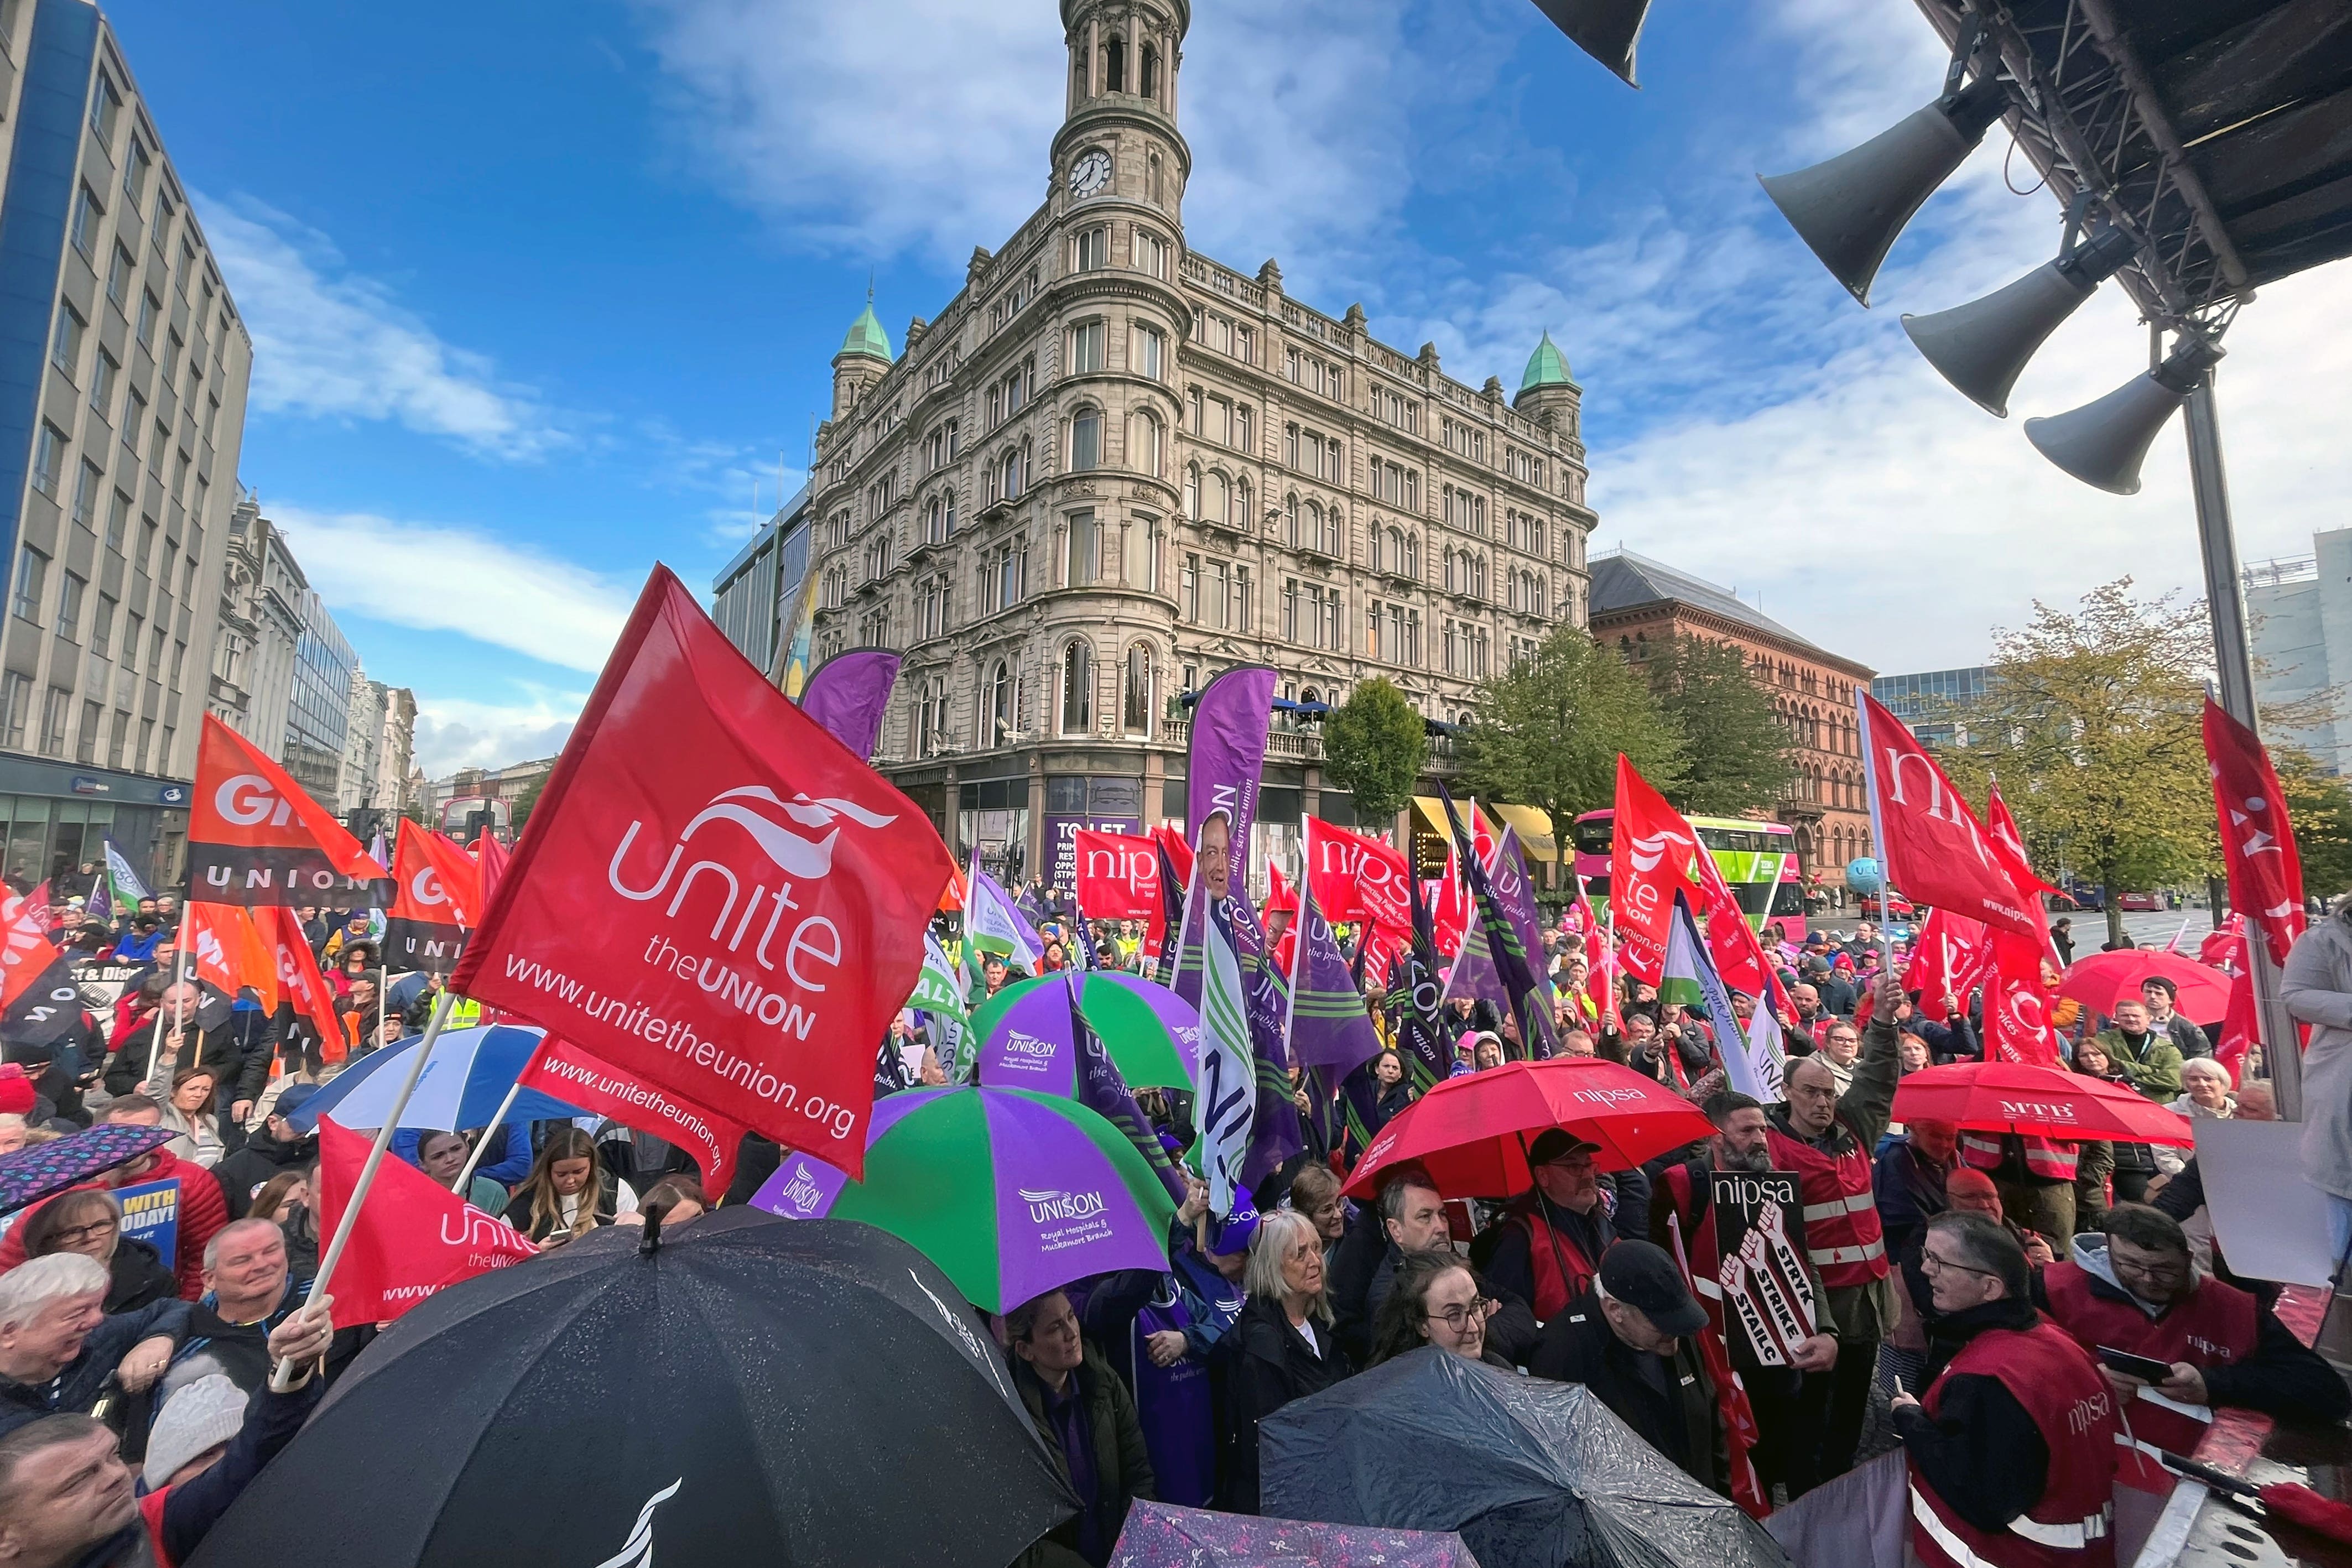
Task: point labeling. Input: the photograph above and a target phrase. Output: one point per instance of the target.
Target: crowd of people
(1950, 1270)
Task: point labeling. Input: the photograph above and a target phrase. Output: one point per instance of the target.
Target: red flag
(1450, 911)
(1356, 877)
(1732, 944)
(38, 998)
(1179, 853)
(414, 1236)
(254, 837)
(2242, 1026)
(490, 862)
(1932, 846)
(435, 886)
(2257, 841)
(2017, 1003)
(1118, 875)
(754, 974)
(227, 952)
(571, 1075)
(2224, 946)
(1947, 954)
(1651, 856)
(299, 980)
(2009, 846)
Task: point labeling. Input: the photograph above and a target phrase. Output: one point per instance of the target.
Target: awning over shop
(1534, 824)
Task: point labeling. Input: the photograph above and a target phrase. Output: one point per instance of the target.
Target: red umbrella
(2101, 980)
(1472, 1131)
(2012, 1097)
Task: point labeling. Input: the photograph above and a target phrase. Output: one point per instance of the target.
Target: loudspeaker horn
(1849, 209)
(2103, 442)
(1605, 29)
(1982, 347)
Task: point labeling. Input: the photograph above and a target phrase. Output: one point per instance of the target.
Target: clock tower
(1119, 138)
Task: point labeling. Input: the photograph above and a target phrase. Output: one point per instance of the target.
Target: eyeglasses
(1463, 1313)
(1930, 1262)
(2155, 1274)
(91, 1232)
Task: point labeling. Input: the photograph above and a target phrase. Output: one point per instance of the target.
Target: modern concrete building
(2300, 611)
(1638, 603)
(1926, 700)
(124, 367)
(1110, 468)
(751, 594)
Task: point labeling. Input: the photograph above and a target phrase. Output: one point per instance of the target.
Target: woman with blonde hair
(1287, 1351)
(569, 1192)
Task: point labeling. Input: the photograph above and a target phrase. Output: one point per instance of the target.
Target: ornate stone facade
(1112, 467)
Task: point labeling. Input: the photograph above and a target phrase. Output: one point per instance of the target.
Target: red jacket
(2217, 1326)
(203, 1211)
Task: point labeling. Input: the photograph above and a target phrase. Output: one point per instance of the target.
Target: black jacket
(78, 1386)
(247, 1171)
(1361, 1252)
(1273, 1365)
(136, 1277)
(1982, 1452)
(1668, 1401)
(215, 1047)
(1122, 1463)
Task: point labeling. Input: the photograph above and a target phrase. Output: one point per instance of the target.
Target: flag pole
(180, 967)
(282, 1379)
(1877, 835)
(466, 1177)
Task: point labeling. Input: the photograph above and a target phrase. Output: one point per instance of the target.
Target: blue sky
(540, 294)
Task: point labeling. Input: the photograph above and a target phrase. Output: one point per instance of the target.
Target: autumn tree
(1734, 751)
(1550, 727)
(1373, 747)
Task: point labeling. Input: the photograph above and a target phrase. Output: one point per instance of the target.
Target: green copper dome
(1546, 367)
(866, 337)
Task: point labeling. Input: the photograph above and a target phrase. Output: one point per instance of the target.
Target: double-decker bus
(1758, 860)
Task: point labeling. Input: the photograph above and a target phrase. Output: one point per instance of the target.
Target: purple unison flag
(1329, 1024)
(1529, 996)
(848, 693)
(1474, 974)
(1515, 895)
(1228, 753)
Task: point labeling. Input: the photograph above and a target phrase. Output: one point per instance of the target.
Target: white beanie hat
(205, 1413)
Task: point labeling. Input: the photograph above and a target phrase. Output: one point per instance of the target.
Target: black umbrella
(1532, 1473)
(753, 1390)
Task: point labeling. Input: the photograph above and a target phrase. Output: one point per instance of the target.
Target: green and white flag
(1227, 1111)
(991, 925)
(1753, 1064)
(938, 995)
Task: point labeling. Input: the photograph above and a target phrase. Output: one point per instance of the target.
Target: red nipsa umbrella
(1471, 1131)
(2103, 979)
(2012, 1097)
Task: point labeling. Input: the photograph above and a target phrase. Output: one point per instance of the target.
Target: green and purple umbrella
(1028, 1032)
(1011, 1193)
(1154, 1034)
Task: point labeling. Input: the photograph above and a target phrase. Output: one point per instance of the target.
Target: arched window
(1135, 708)
(1193, 491)
(1409, 551)
(1243, 518)
(1008, 473)
(1154, 193)
(1085, 439)
(1114, 64)
(1217, 503)
(1148, 83)
(1143, 443)
(1077, 689)
(1539, 595)
(1314, 539)
(996, 720)
(1290, 519)
(1372, 548)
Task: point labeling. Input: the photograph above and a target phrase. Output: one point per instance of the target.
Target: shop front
(54, 817)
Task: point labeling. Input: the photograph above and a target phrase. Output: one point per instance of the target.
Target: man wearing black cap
(1627, 1339)
(1546, 1248)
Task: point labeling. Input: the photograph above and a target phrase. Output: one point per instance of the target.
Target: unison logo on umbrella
(1054, 1204)
(1040, 1052)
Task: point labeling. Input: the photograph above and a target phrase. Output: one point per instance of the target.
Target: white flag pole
(466, 1177)
(1877, 835)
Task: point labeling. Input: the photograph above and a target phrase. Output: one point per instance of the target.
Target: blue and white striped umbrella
(463, 1084)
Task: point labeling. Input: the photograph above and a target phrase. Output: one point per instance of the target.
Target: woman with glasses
(1434, 1299)
(89, 1220)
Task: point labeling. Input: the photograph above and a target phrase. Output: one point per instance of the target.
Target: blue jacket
(133, 948)
(505, 1161)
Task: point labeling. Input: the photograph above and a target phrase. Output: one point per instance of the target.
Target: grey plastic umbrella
(1529, 1472)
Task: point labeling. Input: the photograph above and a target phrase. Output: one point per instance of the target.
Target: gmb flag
(254, 837)
(434, 902)
(715, 894)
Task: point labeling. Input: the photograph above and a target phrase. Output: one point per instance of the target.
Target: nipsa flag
(414, 1237)
(714, 895)
(434, 887)
(254, 837)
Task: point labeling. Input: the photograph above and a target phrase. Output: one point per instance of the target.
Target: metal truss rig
(2084, 111)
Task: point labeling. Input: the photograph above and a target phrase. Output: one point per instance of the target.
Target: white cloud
(332, 343)
(454, 732)
(436, 577)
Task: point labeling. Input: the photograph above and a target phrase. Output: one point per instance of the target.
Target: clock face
(1091, 175)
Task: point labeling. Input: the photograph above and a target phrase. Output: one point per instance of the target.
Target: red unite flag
(569, 1073)
(2257, 841)
(254, 837)
(1931, 845)
(414, 1239)
(1117, 874)
(1652, 857)
(2017, 1003)
(714, 895)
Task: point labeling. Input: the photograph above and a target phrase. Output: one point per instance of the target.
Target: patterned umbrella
(32, 1174)
(1011, 1193)
(1028, 1036)
(1159, 1535)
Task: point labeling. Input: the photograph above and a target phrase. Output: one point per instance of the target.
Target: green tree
(1549, 728)
(525, 800)
(1734, 752)
(2092, 721)
(1373, 747)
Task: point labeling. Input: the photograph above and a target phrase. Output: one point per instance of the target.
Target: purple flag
(1228, 753)
(1515, 894)
(1329, 1024)
(847, 693)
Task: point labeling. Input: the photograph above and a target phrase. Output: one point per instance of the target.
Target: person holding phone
(2175, 1343)
(2012, 1445)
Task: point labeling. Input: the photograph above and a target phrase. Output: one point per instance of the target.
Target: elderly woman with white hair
(1287, 1351)
(58, 1346)
(2205, 1091)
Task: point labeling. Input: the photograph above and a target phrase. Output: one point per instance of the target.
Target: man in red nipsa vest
(1827, 1139)
(2012, 1450)
(2135, 1289)
(1685, 1192)
(1548, 1249)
